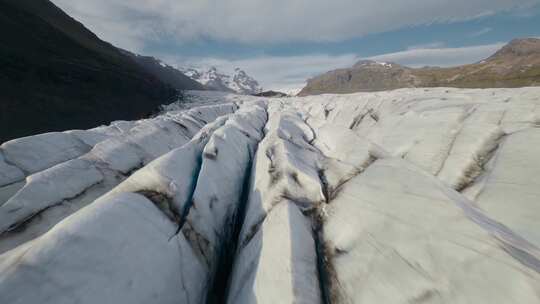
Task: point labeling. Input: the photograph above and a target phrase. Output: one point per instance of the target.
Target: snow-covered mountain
(240, 82)
(406, 196)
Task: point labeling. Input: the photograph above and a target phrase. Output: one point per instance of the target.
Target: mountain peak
(240, 82)
(372, 63)
(519, 47)
(364, 62)
(517, 64)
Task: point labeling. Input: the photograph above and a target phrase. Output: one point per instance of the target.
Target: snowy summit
(213, 79)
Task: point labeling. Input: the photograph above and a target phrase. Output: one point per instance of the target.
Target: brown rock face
(515, 65)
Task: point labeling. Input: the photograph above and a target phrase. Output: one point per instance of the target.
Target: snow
(128, 147)
(239, 82)
(270, 265)
(172, 174)
(395, 232)
(285, 165)
(35, 153)
(198, 174)
(471, 149)
(216, 198)
(511, 190)
(9, 173)
(6, 192)
(412, 195)
(47, 188)
(96, 135)
(362, 63)
(385, 64)
(276, 258)
(343, 144)
(90, 137)
(117, 154)
(136, 262)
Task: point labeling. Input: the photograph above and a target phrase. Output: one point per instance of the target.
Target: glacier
(405, 196)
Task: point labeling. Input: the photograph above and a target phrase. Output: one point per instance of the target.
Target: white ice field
(407, 196)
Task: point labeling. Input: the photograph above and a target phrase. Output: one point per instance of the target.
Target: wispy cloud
(134, 24)
(441, 56)
(480, 32)
(431, 45)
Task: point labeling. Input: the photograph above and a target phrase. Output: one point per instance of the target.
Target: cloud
(134, 24)
(441, 56)
(480, 32)
(431, 45)
(287, 73)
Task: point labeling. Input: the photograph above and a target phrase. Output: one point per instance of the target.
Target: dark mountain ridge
(55, 74)
(165, 73)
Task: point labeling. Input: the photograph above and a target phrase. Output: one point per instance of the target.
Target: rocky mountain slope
(240, 82)
(55, 74)
(165, 73)
(408, 196)
(515, 65)
(271, 94)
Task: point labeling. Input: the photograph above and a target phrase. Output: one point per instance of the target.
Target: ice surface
(472, 148)
(72, 178)
(128, 147)
(35, 153)
(283, 169)
(406, 196)
(9, 173)
(279, 264)
(395, 237)
(90, 258)
(229, 152)
(512, 189)
(217, 198)
(277, 260)
(96, 135)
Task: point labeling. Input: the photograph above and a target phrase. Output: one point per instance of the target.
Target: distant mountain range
(515, 65)
(55, 74)
(213, 79)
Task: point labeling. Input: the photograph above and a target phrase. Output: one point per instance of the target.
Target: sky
(282, 43)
